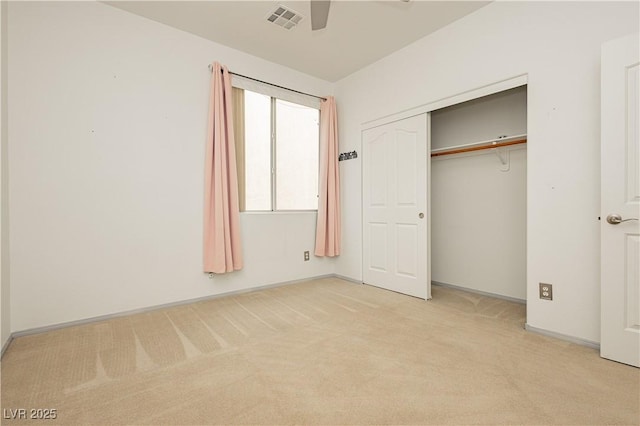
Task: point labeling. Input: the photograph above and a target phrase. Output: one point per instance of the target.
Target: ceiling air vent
(284, 17)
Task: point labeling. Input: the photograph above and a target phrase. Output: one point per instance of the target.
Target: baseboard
(38, 330)
(345, 278)
(6, 346)
(482, 293)
(527, 327)
(46, 328)
(566, 338)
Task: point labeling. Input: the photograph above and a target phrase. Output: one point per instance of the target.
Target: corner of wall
(5, 305)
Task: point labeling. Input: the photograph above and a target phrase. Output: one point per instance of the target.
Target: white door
(620, 197)
(395, 216)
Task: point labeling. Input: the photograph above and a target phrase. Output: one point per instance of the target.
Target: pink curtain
(222, 247)
(328, 229)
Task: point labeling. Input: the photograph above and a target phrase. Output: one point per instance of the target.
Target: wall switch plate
(546, 291)
(306, 256)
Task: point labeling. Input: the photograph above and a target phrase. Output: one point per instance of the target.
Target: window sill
(279, 212)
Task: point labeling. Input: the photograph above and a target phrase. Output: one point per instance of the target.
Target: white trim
(44, 329)
(280, 212)
(428, 207)
(571, 339)
(353, 280)
(38, 330)
(6, 346)
(527, 327)
(479, 92)
(482, 293)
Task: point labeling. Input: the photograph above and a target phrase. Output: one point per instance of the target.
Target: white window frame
(276, 93)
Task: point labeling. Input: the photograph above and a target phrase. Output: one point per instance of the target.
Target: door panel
(407, 173)
(395, 185)
(407, 248)
(378, 238)
(632, 308)
(632, 177)
(620, 195)
(377, 160)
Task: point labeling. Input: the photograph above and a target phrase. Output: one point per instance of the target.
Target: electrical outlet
(546, 291)
(306, 256)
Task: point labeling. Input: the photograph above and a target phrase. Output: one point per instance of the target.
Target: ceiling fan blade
(319, 13)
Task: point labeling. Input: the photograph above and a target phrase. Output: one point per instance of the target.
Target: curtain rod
(271, 84)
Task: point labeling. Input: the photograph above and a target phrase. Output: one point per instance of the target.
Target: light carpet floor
(320, 352)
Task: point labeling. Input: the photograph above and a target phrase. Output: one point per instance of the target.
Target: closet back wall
(478, 211)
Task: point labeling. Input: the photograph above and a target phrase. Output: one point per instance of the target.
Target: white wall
(5, 307)
(558, 45)
(106, 130)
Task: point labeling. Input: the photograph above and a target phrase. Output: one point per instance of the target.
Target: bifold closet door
(395, 216)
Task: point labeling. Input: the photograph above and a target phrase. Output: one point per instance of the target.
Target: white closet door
(620, 197)
(395, 216)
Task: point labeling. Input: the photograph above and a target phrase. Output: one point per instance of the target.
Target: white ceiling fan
(319, 14)
(289, 18)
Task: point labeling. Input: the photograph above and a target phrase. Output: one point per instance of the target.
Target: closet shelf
(478, 147)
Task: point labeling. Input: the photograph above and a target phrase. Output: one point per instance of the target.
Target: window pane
(297, 147)
(257, 130)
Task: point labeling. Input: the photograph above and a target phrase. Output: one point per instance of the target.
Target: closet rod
(479, 148)
(271, 84)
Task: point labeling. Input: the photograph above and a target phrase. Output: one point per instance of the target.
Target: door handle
(420, 215)
(615, 219)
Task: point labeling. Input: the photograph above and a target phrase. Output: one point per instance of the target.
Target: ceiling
(358, 33)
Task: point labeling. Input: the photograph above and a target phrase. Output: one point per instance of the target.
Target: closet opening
(479, 195)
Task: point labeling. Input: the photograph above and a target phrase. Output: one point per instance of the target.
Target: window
(279, 153)
(257, 148)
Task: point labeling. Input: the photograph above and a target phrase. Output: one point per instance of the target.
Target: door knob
(615, 219)
(420, 215)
